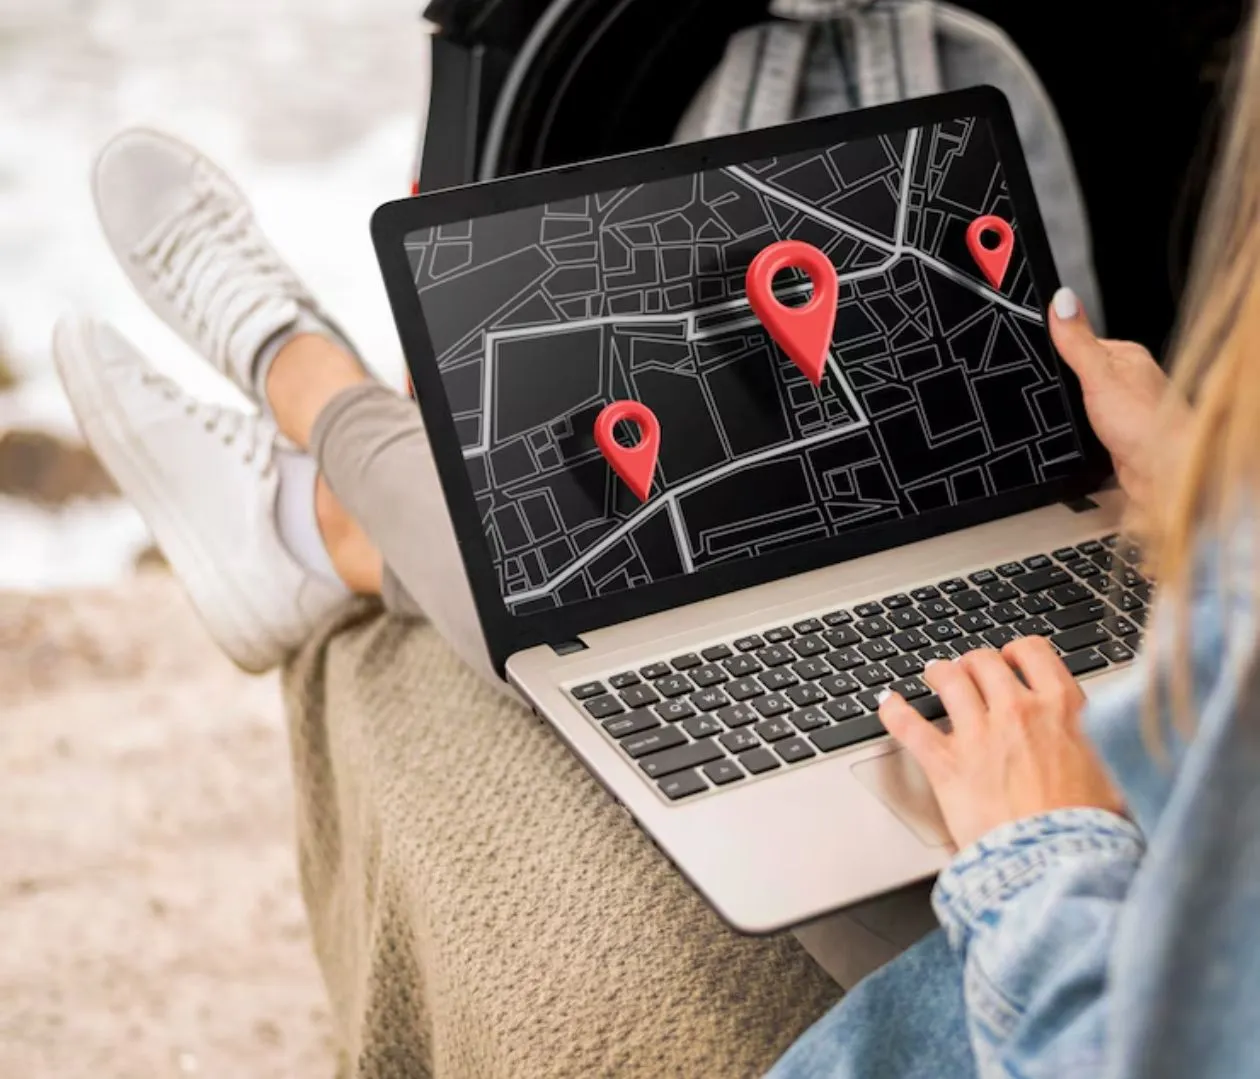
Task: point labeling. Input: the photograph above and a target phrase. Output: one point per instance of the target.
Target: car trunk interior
(1137, 84)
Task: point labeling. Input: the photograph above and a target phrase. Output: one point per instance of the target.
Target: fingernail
(932, 663)
(884, 694)
(1065, 304)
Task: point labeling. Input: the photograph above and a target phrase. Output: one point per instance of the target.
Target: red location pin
(993, 261)
(634, 464)
(804, 333)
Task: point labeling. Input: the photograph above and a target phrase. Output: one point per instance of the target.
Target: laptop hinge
(1081, 505)
(567, 648)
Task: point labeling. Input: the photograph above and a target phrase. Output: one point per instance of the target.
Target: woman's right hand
(1128, 398)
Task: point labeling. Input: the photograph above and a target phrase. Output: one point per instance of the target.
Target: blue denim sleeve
(1184, 982)
(1031, 910)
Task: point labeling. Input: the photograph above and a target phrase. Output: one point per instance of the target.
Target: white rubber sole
(214, 596)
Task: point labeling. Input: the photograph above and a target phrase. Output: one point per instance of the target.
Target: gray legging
(372, 448)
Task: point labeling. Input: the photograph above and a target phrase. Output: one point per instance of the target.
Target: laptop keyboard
(768, 701)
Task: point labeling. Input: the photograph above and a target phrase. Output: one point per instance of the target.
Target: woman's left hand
(1016, 749)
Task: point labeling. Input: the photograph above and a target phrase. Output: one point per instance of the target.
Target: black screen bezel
(508, 633)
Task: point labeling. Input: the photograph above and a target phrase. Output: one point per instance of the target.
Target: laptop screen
(941, 386)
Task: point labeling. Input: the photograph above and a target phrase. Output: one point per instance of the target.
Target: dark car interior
(1137, 84)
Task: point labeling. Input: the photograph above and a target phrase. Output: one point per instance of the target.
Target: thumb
(1074, 337)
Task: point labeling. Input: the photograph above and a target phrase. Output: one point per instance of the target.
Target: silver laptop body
(714, 654)
(802, 841)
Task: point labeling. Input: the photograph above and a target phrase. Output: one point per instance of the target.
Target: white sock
(295, 515)
(308, 321)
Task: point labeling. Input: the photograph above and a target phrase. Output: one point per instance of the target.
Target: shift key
(675, 760)
(1084, 661)
(1077, 615)
(1073, 640)
(640, 745)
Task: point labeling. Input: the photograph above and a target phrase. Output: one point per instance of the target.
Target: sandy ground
(150, 919)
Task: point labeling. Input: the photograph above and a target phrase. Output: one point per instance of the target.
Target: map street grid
(939, 389)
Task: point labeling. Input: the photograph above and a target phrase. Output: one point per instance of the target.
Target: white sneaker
(204, 479)
(186, 236)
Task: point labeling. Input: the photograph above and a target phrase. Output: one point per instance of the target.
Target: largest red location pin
(804, 333)
(634, 464)
(993, 261)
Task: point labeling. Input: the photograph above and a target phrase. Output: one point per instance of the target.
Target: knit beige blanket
(481, 908)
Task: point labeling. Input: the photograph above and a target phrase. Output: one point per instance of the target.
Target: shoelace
(248, 434)
(214, 265)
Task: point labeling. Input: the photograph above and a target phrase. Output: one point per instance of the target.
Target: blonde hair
(1216, 366)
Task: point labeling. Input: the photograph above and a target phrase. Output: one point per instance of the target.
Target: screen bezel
(508, 633)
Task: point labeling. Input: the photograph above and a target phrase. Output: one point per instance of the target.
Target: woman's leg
(381, 512)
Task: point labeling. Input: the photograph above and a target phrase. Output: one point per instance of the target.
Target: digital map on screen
(939, 388)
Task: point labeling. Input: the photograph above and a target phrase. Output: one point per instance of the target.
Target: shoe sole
(193, 566)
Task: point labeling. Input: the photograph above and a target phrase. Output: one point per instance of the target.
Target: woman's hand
(1017, 748)
(1128, 398)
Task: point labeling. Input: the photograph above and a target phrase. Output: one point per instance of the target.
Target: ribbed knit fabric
(481, 908)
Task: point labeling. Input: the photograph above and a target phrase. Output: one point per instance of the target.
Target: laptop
(714, 651)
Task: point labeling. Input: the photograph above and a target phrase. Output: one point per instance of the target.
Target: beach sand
(152, 923)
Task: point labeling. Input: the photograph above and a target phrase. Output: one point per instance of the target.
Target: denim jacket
(1081, 944)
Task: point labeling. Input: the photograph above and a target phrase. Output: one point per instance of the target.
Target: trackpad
(901, 785)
